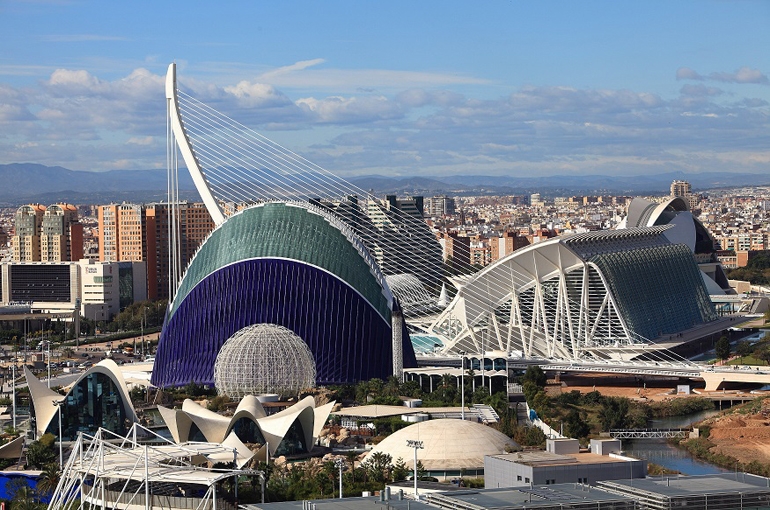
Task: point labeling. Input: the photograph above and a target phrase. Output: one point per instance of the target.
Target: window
(526, 480)
(518, 478)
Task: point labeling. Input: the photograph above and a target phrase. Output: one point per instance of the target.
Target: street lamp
(340, 465)
(13, 391)
(60, 404)
(462, 385)
(417, 445)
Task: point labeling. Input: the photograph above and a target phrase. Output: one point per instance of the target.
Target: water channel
(659, 451)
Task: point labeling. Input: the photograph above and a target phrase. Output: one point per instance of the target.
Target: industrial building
(98, 290)
(561, 463)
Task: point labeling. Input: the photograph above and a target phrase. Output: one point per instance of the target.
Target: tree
(422, 473)
(448, 389)
(49, 479)
(614, 413)
(535, 375)
(392, 387)
(378, 466)
(743, 349)
(411, 389)
(24, 499)
(400, 471)
(575, 426)
(722, 348)
(762, 353)
(542, 405)
(530, 389)
(41, 452)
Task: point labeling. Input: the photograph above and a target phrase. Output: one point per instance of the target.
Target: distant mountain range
(28, 183)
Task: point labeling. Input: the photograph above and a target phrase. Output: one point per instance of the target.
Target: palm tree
(49, 479)
(24, 499)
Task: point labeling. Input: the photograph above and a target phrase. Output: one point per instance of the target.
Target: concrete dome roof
(449, 444)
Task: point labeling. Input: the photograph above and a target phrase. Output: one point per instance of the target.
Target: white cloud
(146, 140)
(336, 110)
(700, 91)
(251, 95)
(285, 70)
(743, 75)
(685, 73)
(83, 121)
(303, 75)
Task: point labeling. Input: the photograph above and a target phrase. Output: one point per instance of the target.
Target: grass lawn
(747, 360)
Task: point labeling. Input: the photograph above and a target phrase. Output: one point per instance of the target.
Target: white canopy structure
(83, 408)
(599, 295)
(185, 424)
(111, 471)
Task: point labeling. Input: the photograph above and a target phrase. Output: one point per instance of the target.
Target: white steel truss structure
(549, 300)
(110, 471)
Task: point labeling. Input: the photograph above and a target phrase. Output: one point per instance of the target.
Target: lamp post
(417, 445)
(60, 404)
(462, 385)
(340, 465)
(13, 391)
(48, 348)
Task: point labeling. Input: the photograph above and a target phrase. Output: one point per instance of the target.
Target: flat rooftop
(379, 411)
(684, 486)
(554, 496)
(537, 458)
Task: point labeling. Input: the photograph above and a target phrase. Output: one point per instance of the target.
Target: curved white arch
(183, 142)
(43, 398)
(544, 300)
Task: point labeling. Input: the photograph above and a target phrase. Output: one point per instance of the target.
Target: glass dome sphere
(264, 358)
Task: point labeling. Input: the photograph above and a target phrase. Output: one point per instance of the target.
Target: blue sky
(398, 88)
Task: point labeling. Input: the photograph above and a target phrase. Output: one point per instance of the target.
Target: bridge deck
(649, 433)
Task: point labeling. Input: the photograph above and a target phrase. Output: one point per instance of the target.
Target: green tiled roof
(287, 231)
(659, 289)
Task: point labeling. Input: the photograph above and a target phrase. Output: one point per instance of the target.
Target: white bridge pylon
(183, 142)
(234, 167)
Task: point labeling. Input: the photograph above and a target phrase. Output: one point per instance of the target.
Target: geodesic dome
(264, 358)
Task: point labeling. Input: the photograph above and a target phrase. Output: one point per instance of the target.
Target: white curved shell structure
(273, 429)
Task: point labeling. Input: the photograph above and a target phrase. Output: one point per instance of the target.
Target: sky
(398, 88)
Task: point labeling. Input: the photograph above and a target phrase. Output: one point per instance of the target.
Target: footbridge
(715, 377)
(649, 433)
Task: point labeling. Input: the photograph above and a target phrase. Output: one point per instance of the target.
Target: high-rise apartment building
(51, 234)
(120, 233)
(507, 243)
(680, 189)
(61, 237)
(133, 232)
(26, 241)
(456, 249)
(683, 190)
(439, 206)
(195, 224)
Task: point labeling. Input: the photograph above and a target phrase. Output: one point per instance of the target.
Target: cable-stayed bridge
(554, 301)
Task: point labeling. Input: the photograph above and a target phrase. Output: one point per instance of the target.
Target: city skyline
(429, 89)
